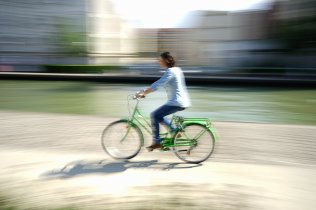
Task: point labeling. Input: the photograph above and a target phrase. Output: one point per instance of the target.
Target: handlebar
(135, 96)
(138, 96)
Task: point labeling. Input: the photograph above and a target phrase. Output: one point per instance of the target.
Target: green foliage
(70, 39)
(80, 68)
(6, 204)
(297, 29)
(298, 34)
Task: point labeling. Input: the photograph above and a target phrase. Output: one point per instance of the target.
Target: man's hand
(143, 93)
(140, 94)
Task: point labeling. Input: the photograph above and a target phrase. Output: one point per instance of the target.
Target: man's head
(166, 60)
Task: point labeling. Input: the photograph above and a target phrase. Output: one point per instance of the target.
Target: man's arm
(148, 90)
(161, 82)
(144, 92)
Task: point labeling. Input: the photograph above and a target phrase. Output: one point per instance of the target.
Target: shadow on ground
(83, 167)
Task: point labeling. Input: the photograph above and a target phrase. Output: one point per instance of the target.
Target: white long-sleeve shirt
(174, 83)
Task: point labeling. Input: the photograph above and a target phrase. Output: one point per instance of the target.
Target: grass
(7, 203)
(162, 197)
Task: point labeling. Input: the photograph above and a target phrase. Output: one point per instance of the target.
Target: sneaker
(154, 146)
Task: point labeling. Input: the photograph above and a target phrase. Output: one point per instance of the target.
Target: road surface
(52, 161)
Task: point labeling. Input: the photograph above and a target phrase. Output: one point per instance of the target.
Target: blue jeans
(158, 116)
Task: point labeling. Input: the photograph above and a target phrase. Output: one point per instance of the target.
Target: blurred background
(227, 37)
(250, 67)
(270, 39)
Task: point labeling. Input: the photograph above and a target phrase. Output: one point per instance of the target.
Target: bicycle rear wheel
(201, 142)
(122, 140)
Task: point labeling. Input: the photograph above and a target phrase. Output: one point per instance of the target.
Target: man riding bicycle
(178, 98)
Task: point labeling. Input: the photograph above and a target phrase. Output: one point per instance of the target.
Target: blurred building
(83, 31)
(178, 41)
(245, 39)
(62, 32)
(39, 32)
(282, 36)
(294, 9)
(212, 36)
(222, 37)
(110, 40)
(147, 42)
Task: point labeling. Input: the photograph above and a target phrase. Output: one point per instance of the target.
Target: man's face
(162, 62)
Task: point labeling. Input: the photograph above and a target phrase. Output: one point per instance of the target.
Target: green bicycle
(193, 141)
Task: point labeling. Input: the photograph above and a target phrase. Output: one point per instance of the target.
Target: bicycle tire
(190, 154)
(118, 147)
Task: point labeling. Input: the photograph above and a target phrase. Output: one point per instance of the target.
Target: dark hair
(168, 59)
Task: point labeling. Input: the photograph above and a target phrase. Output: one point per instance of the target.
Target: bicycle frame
(137, 118)
(186, 141)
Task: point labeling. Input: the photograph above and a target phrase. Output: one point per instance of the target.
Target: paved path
(55, 160)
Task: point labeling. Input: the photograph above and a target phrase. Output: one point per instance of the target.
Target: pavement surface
(55, 160)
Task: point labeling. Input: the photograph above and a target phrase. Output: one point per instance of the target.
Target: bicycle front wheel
(194, 144)
(122, 140)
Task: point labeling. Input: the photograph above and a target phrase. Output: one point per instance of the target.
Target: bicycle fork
(128, 129)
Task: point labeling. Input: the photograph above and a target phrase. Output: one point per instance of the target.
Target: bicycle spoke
(122, 140)
(199, 147)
